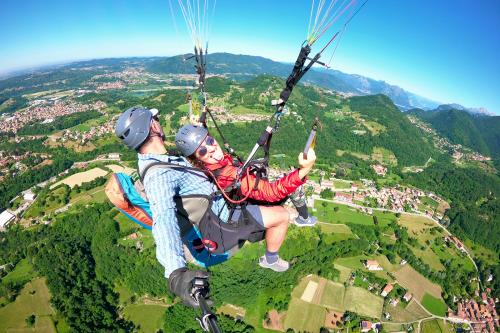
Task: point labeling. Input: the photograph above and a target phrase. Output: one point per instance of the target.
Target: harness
(195, 215)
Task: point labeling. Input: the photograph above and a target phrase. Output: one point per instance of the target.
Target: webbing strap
(162, 164)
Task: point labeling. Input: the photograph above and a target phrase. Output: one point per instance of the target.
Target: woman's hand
(306, 164)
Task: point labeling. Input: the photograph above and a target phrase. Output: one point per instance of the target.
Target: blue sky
(448, 51)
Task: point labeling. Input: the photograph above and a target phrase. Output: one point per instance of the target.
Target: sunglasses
(209, 141)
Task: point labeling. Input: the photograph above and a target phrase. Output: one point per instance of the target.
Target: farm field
(435, 326)
(434, 305)
(391, 327)
(384, 156)
(346, 214)
(408, 313)
(352, 262)
(335, 228)
(82, 177)
(362, 301)
(148, 317)
(415, 282)
(232, 310)
(336, 232)
(374, 127)
(416, 225)
(245, 111)
(303, 316)
(341, 184)
(323, 295)
(33, 299)
(333, 296)
(427, 233)
(23, 272)
(481, 252)
(345, 273)
(118, 168)
(96, 194)
(429, 257)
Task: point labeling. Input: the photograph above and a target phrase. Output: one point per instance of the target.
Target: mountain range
(244, 67)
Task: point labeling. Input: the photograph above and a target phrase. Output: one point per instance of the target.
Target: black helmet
(133, 126)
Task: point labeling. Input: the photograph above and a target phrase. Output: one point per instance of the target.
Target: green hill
(480, 133)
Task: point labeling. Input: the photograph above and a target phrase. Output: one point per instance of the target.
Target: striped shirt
(161, 185)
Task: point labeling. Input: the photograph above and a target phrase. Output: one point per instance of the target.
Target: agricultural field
(434, 305)
(341, 184)
(432, 249)
(429, 257)
(325, 211)
(23, 272)
(118, 168)
(232, 310)
(435, 326)
(363, 302)
(148, 317)
(87, 125)
(345, 273)
(374, 127)
(246, 111)
(33, 299)
(352, 262)
(406, 313)
(326, 294)
(416, 283)
(384, 156)
(336, 232)
(82, 177)
(54, 200)
(416, 225)
(96, 194)
(479, 251)
(333, 296)
(428, 204)
(304, 317)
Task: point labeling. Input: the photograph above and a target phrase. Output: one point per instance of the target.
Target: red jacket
(270, 192)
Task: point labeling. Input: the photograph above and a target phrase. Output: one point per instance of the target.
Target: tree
(326, 194)
(375, 220)
(30, 320)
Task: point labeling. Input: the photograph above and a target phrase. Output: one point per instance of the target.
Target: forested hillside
(480, 133)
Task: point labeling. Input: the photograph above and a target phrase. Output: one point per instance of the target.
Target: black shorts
(244, 225)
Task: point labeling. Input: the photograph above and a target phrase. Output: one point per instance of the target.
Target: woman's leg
(275, 220)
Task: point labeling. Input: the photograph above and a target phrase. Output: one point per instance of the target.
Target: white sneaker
(279, 265)
(302, 222)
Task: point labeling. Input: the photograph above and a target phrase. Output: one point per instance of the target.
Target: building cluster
(111, 85)
(396, 198)
(458, 152)
(6, 218)
(379, 169)
(7, 160)
(125, 77)
(92, 133)
(45, 112)
(482, 316)
(368, 326)
(455, 241)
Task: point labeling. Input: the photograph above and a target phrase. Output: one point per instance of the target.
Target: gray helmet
(133, 126)
(189, 138)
